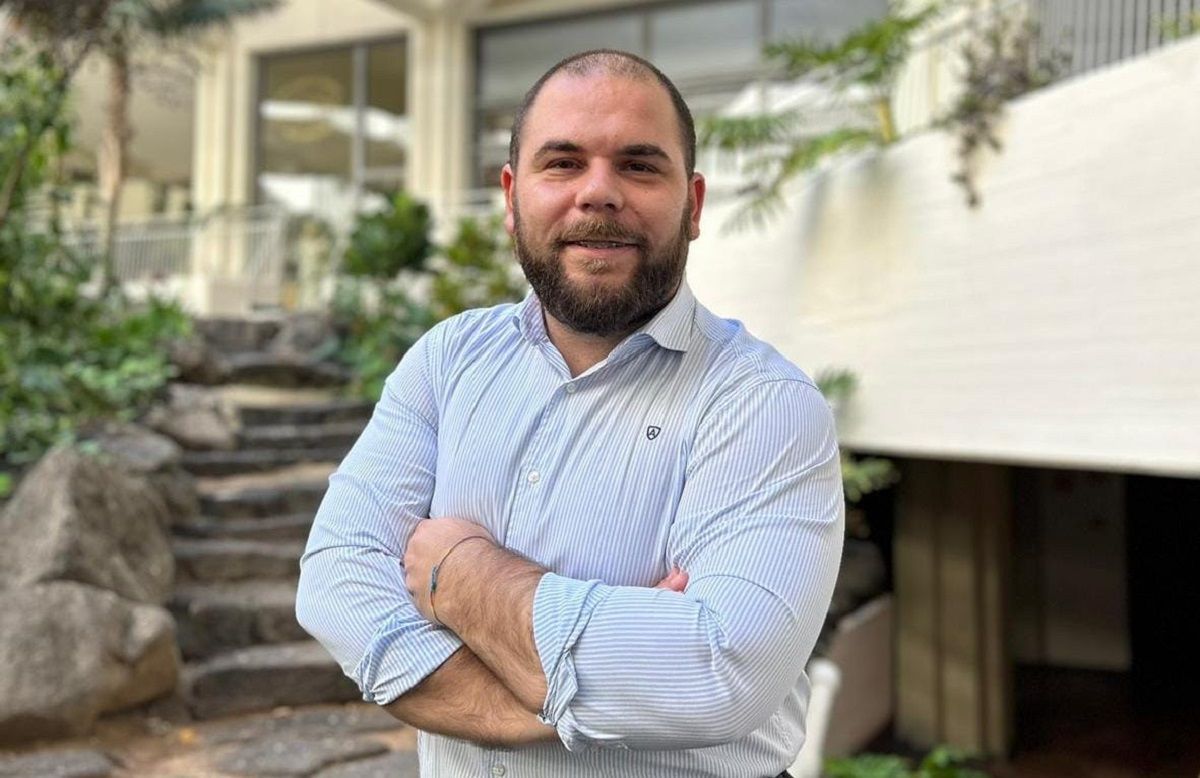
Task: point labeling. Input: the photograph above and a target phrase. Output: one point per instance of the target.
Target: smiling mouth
(601, 244)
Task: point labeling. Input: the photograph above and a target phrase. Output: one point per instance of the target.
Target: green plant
(1177, 29)
(66, 358)
(374, 337)
(33, 126)
(380, 319)
(1000, 64)
(941, 762)
(866, 62)
(478, 270)
(120, 29)
(384, 243)
(860, 475)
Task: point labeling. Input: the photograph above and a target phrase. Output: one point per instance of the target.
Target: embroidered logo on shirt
(652, 432)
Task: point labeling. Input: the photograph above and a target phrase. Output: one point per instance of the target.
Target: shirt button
(572, 388)
(533, 477)
(498, 770)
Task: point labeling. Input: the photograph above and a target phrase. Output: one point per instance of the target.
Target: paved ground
(356, 740)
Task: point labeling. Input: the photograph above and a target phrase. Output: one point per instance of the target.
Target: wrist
(454, 574)
(440, 582)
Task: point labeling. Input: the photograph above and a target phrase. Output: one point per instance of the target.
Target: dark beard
(600, 311)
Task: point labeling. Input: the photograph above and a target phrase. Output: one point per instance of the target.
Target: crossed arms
(527, 655)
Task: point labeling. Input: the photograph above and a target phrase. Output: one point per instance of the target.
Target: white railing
(237, 253)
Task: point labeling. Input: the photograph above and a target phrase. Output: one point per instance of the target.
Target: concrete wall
(1056, 325)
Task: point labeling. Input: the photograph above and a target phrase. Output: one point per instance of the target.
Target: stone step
(231, 335)
(291, 527)
(265, 501)
(212, 618)
(257, 460)
(328, 435)
(281, 370)
(290, 490)
(265, 677)
(236, 560)
(310, 413)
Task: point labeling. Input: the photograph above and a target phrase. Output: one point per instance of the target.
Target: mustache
(599, 229)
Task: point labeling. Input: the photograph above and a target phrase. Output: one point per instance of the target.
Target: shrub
(396, 239)
(380, 320)
(66, 358)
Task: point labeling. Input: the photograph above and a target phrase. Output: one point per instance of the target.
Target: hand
(427, 547)
(675, 581)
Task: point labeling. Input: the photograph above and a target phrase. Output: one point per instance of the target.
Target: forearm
(464, 699)
(657, 670)
(487, 600)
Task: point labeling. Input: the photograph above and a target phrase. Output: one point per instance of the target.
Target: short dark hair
(617, 63)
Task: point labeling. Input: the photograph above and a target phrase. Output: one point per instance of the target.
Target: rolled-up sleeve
(352, 595)
(759, 532)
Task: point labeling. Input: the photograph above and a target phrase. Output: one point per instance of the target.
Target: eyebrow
(632, 150)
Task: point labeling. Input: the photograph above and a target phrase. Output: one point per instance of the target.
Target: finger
(675, 581)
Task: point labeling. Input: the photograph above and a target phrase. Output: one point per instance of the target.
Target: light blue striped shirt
(692, 445)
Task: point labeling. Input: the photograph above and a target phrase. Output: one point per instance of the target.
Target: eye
(641, 167)
(562, 164)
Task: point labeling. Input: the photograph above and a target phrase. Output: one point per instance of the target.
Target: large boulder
(197, 418)
(80, 517)
(155, 457)
(197, 362)
(70, 652)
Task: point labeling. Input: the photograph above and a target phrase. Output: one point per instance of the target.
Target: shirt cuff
(561, 610)
(404, 653)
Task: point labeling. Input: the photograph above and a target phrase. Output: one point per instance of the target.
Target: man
(485, 561)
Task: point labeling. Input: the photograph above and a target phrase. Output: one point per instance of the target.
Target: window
(712, 50)
(333, 128)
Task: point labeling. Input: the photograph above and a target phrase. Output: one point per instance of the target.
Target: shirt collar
(670, 328)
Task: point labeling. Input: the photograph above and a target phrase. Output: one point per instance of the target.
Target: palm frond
(765, 200)
(868, 55)
(182, 17)
(730, 133)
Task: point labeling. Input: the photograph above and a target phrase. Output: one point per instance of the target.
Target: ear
(506, 183)
(698, 188)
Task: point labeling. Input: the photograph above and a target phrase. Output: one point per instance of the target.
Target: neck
(580, 350)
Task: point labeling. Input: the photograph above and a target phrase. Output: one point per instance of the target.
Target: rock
(265, 677)
(76, 517)
(157, 458)
(197, 361)
(219, 617)
(140, 450)
(294, 756)
(75, 763)
(303, 333)
(232, 335)
(285, 370)
(344, 721)
(70, 652)
(237, 560)
(396, 764)
(197, 418)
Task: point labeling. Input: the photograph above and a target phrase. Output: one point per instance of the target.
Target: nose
(599, 190)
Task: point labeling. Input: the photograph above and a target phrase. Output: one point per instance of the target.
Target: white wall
(1058, 324)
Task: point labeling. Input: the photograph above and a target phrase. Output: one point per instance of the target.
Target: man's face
(601, 206)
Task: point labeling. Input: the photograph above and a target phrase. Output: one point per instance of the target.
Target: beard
(595, 308)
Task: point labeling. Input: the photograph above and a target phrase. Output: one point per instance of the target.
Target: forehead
(598, 109)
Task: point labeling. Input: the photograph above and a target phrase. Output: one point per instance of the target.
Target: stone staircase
(237, 562)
